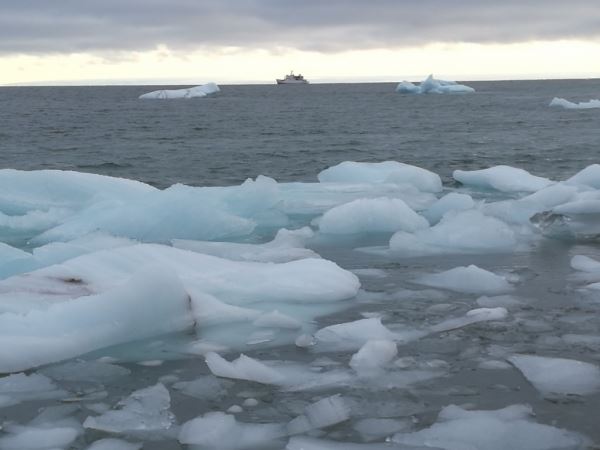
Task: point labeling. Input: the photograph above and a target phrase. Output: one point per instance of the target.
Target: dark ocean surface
(291, 133)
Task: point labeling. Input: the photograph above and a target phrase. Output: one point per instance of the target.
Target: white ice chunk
(288, 245)
(469, 280)
(193, 92)
(113, 444)
(275, 319)
(223, 431)
(557, 101)
(144, 413)
(472, 316)
(461, 232)
(449, 202)
(433, 86)
(353, 335)
(502, 178)
(374, 355)
(585, 264)
(321, 414)
(377, 215)
(590, 176)
(382, 172)
(558, 375)
(34, 438)
(243, 368)
(507, 428)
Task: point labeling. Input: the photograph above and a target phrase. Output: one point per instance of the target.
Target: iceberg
(557, 101)
(433, 86)
(468, 280)
(193, 92)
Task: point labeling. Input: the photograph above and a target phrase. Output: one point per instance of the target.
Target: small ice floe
(589, 176)
(309, 443)
(499, 301)
(502, 178)
(18, 388)
(113, 444)
(566, 104)
(471, 317)
(322, 414)
(375, 428)
(508, 428)
(558, 375)
(458, 232)
(433, 86)
(193, 92)
(353, 335)
(585, 264)
(468, 280)
(382, 172)
(375, 215)
(373, 356)
(243, 368)
(145, 414)
(288, 245)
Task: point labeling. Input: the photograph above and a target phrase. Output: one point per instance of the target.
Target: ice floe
(502, 178)
(193, 92)
(468, 280)
(20, 387)
(433, 86)
(558, 375)
(510, 427)
(557, 101)
(114, 444)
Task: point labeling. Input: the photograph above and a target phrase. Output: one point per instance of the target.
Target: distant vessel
(292, 79)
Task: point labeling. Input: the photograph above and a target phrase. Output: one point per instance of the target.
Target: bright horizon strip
(459, 61)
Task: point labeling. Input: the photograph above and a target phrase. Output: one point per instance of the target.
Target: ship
(292, 79)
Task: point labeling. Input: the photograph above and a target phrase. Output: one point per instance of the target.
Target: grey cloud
(42, 26)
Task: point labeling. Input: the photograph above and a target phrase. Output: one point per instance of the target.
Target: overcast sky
(112, 29)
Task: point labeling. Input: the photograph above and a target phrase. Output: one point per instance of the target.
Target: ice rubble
(20, 387)
(510, 427)
(193, 92)
(558, 375)
(433, 86)
(557, 101)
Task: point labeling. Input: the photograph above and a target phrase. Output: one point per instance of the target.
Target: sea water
(291, 133)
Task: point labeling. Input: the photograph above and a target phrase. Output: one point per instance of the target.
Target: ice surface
(90, 371)
(558, 375)
(374, 355)
(585, 264)
(590, 176)
(353, 335)
(459, 232)
(113, 444)
(20, 387)
(449, 202)
(557, 101)
(502, 178)
(33, 438)
(288, 245)
(145, 413)
(382, 172)
(472, 316)
(193, 92)
(205, 387)
(220, 430)
(510, 427)
(378, 215)
(468, 280)
(308, 443)
(432, 86)
(168, 295)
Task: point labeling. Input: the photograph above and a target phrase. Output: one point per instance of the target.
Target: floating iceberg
(193, 92)
(468, 280)
(433, 86)
(557, 101)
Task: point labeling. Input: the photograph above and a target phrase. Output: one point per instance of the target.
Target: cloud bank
(70, 26)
